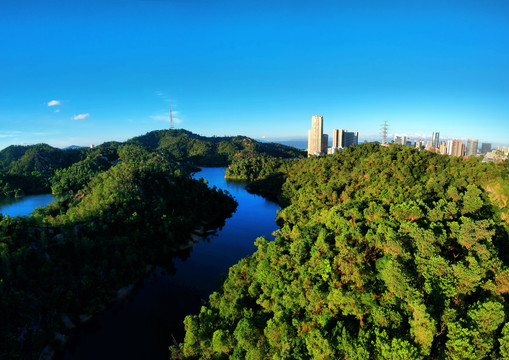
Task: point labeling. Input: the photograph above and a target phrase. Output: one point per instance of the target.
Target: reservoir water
(24, 205)
(145, 324)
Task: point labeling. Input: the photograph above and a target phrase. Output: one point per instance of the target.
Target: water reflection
(143, 325)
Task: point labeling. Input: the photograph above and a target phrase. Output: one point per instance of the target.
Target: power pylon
(383, 132)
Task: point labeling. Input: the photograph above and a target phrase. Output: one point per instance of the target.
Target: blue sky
(255, 68)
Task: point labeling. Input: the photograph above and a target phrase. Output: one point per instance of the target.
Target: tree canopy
(382, 253)
(40, 168)
(70, 258)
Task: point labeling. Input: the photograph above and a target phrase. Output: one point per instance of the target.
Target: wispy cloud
(415, 135)
(166, 118)
(54, 102)
(81, 116)
(10, 134)
(57, 110)
(162, 95)
(419, 136)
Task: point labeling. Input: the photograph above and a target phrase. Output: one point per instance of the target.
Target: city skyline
(86, 73)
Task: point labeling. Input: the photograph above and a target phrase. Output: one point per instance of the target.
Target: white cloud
(7, 134)
(415, 135)
(57, 110)
(81, 116)
(54, 102)
(162, 95)
(166, 118)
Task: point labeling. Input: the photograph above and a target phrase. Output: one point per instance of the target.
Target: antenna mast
(171, 118)
(383, 131)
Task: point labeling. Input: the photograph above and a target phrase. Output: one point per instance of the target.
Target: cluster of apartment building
(318, 142)
(454, 147)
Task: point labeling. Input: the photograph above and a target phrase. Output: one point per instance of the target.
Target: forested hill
(28, 169)
(40, 158)
(39, 168)
(211, 151)
(114, 220)
(383, 253)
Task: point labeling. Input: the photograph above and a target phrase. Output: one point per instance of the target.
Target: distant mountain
(12, 153)
(30, 169)
(211, 151)
(17, 159)
(297, 143)
(74, 147)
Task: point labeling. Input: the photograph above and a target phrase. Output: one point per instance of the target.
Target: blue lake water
(24, 205)
(143, 325)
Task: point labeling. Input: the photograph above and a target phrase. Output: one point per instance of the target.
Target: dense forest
(41, 168)
(265, 175)
(183, 145)
(382, 253)
(28, 169)
(123, 210)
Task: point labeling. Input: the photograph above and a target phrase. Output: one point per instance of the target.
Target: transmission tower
(383, 131)
(171, 118)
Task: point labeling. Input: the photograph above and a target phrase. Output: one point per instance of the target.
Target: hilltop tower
(171, 118)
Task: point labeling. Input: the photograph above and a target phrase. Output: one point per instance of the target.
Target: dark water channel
(142, 326)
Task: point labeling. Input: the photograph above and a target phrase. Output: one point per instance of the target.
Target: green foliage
(76, 176)
(183, 145)
(28, 169)
(253, 168)
(123, 206)
(71, 257)
(39, 168)
(386, 253)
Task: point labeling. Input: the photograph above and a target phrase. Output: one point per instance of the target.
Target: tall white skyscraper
(449, 147)
(317, 140)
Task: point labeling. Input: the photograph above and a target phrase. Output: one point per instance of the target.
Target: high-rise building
(457, 148)
(337, 138)
(420, 144)
(443, 147)
(400, 140)
(485, 148)
(435, 140)
(317, 140)
(504, 149)
(449, 147)
(471, 147)
(342, 138)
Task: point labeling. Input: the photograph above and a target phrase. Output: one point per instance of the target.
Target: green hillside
(210, 151)
(383, 253)
(28, 169)
(72, 257)
(42, 168)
